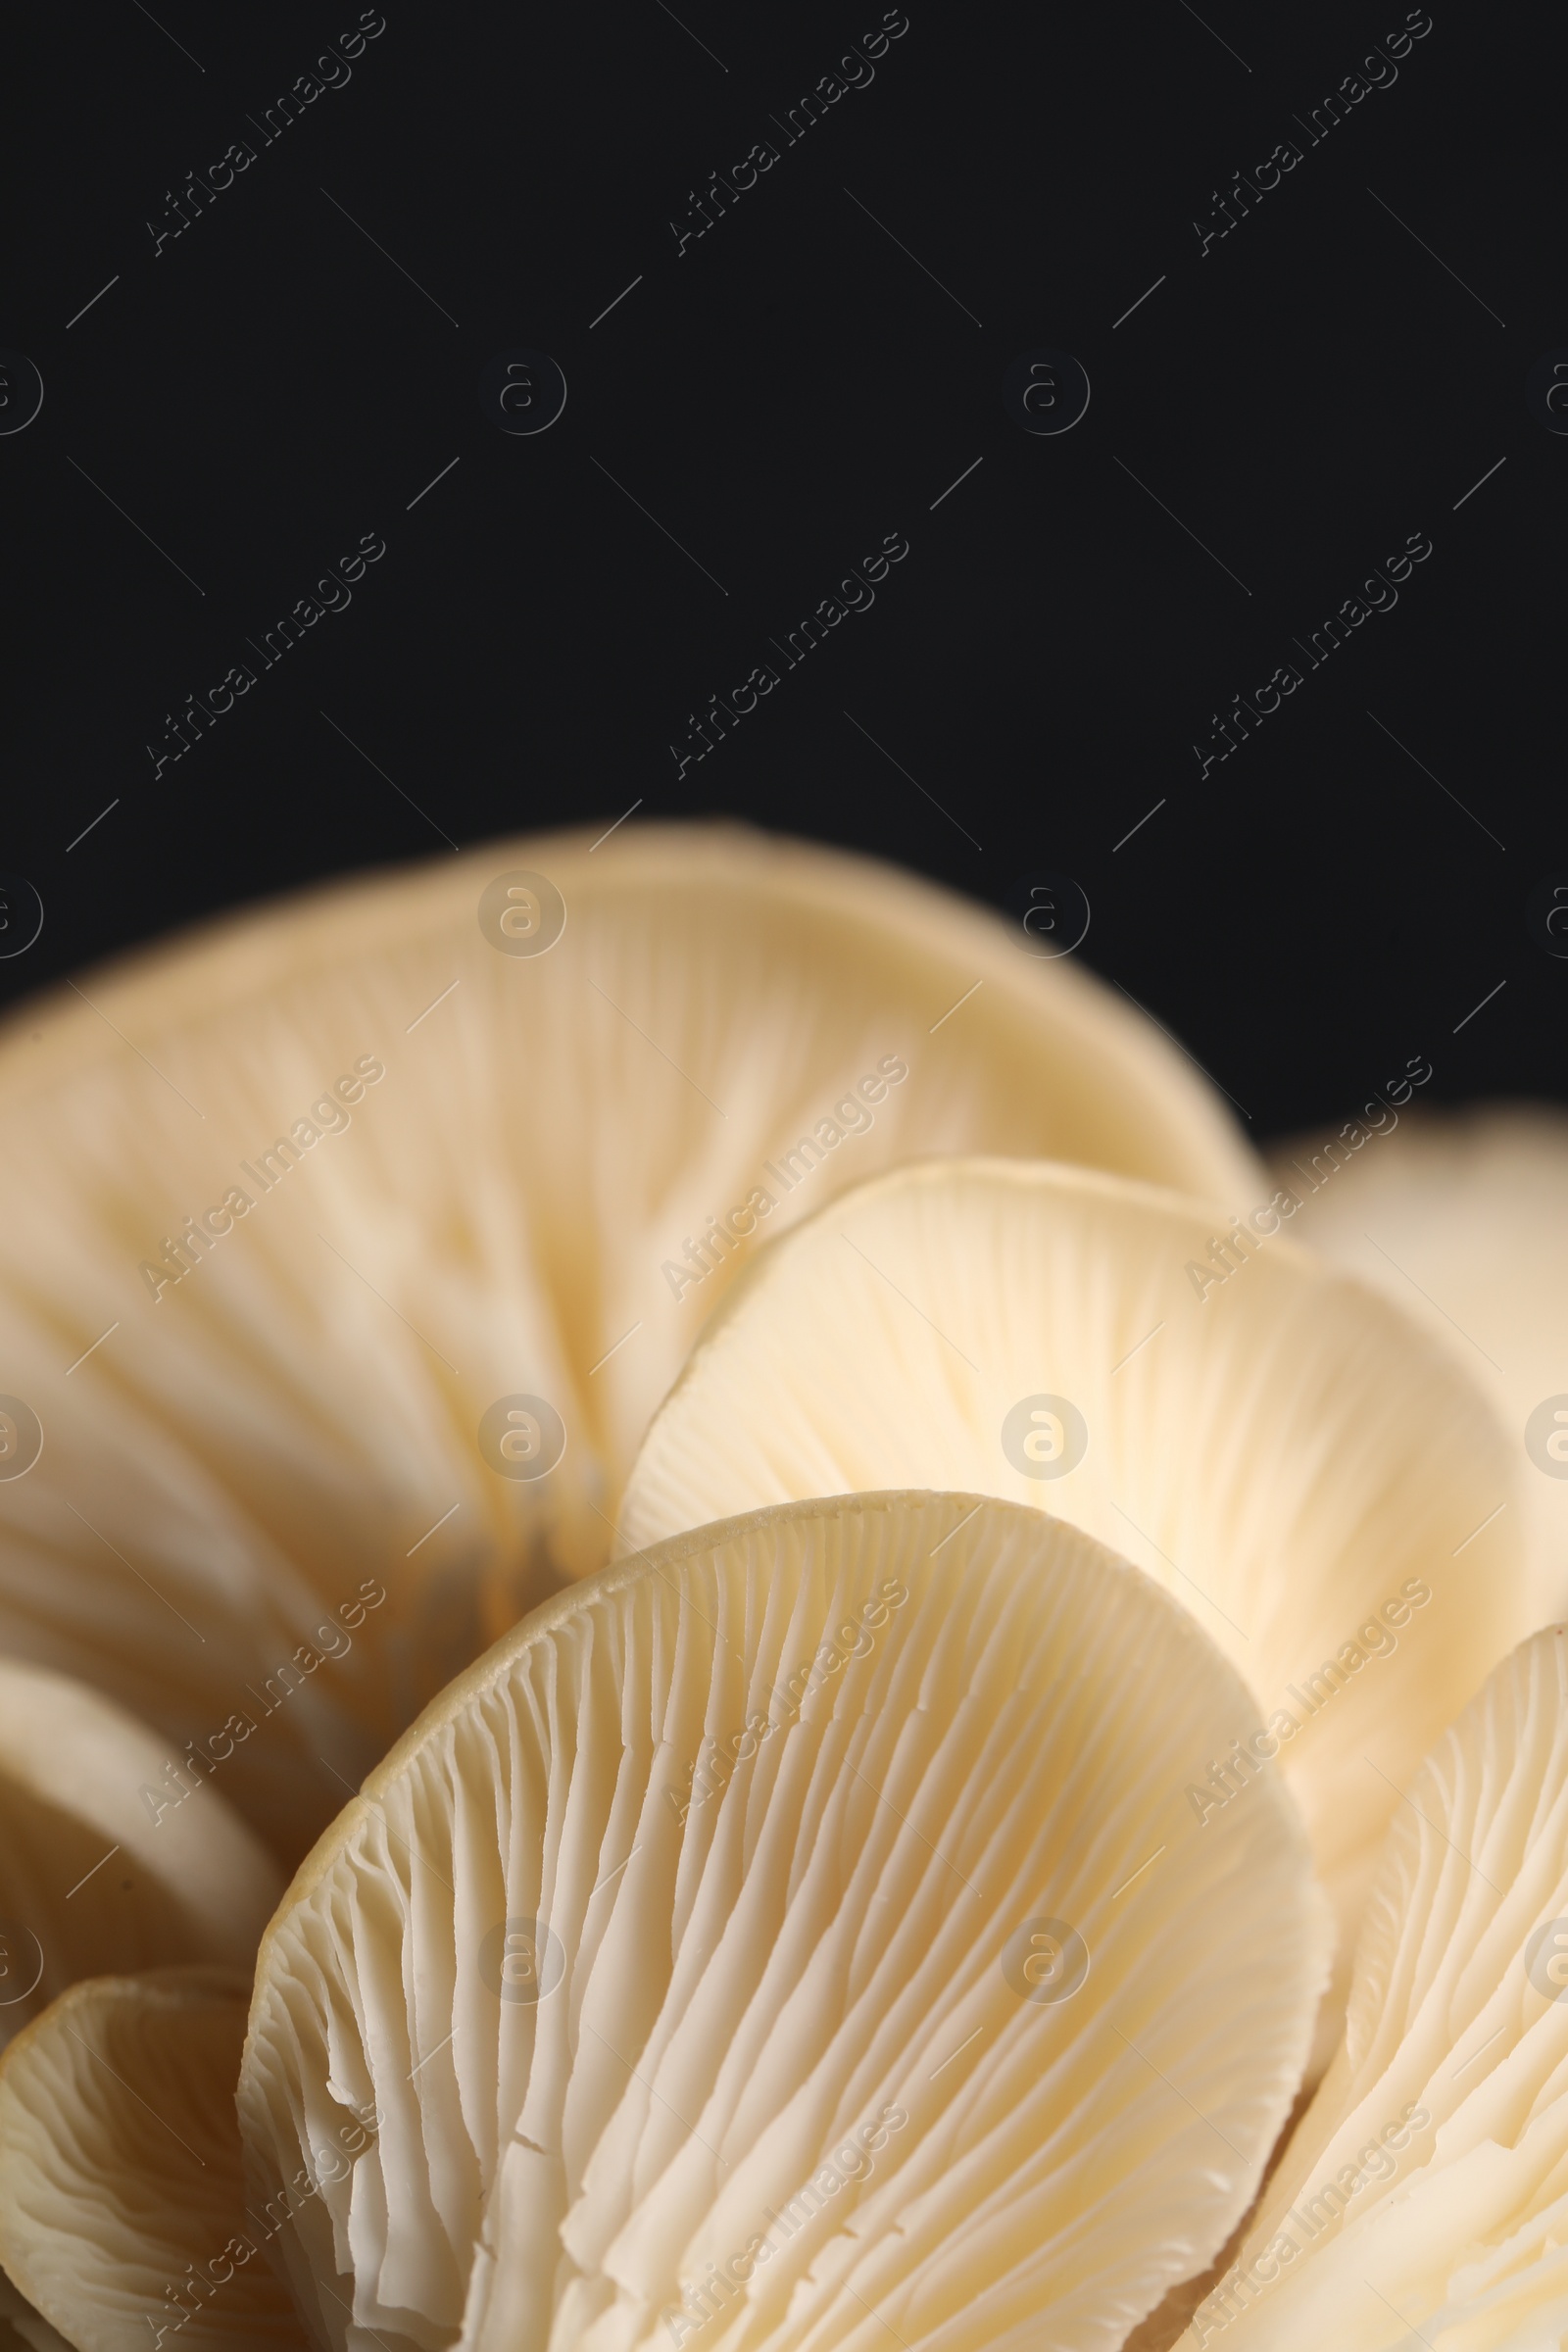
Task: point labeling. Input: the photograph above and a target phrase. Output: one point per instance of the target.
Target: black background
(795, 384)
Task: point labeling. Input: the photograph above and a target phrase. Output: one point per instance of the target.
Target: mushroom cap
(1424, 2198)
(803, 1924)
(110, 1855)
(1282, 1448)
(442, 1161)
(121, 2188)
(1462, 1219)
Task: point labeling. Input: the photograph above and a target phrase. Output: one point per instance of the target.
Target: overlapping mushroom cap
(114, 1852)
(794, 1935)
(1424, 2199)
(123, 2212)
(346, 1248)
(1287, 1453)
(1463, 1218)
(868, 1913)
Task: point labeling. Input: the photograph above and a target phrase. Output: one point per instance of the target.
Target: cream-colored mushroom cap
(346, 1247)
(123, 2212)
(1424, 2198)
(1463, 1218)
(1295, 1459)
(111, 1855)
(796, 1936)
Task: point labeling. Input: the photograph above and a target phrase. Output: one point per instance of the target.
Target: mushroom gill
(1424, 2198)
(114, 1851)
(793, 1935)
(122, 2213)
(1288, 1453)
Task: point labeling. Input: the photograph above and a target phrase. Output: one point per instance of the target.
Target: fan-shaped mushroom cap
(1424, 2199)
(122, 2211)
(1463, 1218)
(1286, 1453)
(795, 1935)
(111, 1854)
(442, 1153)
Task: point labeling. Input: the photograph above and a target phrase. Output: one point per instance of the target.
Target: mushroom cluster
(717, 1629)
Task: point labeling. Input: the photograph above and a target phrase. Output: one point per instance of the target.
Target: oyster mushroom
(793, 1935)
(114, 1852)
(1462, 1218)
(346, 1247)
(123, 2213)
(1283, 1451)
(1424, 2198)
